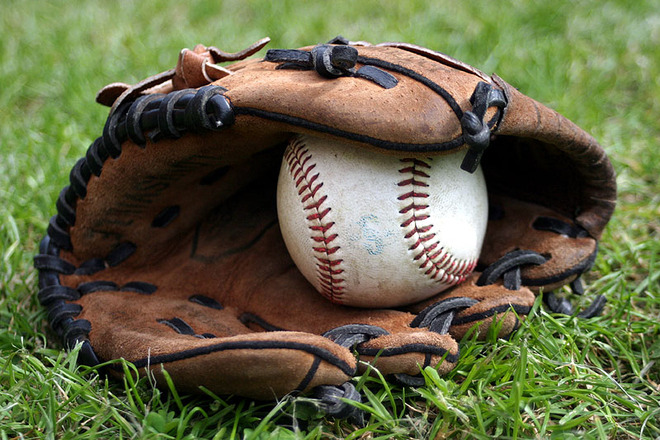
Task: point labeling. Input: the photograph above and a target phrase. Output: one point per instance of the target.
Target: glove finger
(567, 248)
(207, 346)
(470, 304)
(406, 353)
(382, 337)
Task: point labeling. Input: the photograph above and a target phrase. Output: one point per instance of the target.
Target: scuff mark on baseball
(375, 230)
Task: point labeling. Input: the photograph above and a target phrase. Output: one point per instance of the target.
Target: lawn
(596, 62)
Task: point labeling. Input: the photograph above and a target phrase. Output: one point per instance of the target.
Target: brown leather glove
(166, 251)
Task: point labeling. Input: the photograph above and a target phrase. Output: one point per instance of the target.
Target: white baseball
(376, 230)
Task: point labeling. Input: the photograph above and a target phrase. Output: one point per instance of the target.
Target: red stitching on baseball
(413, 206)
(328, 269)
(412, 194)
(413, 181)
(442, 267)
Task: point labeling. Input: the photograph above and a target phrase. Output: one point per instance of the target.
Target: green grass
(597, 62)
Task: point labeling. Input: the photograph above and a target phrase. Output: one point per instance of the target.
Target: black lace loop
(331, 61)
(439, 317)
(79, 176)
(508, 267)
(476, 131)
(374, 74)
(209, 109)
(595, 309)
(141, 287)
(48, 278)
(563, 306)
(64, 205)
(166, 126)
(96, 156)
(334, 61)
(58, 234)
(111, 142)
(86, 355)
(558, 304)
(353, 334)
(97, 286)
(50, 294)
(512, 261)
(178, 325)
(60, 313)
(289, 56)
(251, 318)
(330, 401)
(53, 263)
(90, 267)
(134, 116)
(206, 301)
(339, 40)
(410, 381)
(120, 253)
(76, 331)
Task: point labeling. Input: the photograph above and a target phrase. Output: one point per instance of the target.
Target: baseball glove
(166, 251)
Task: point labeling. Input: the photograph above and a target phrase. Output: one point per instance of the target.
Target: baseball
(369, 229)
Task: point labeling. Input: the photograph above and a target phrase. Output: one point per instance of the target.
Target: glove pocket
(477, 302)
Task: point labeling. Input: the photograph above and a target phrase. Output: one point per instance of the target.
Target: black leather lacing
(476, 130)
(337, 59)
(438, 317)
(559, 227)
(508, 268)
(330, 400)
(563, 306)
(183, 328)
(349, 336)
(151, 117)
(55, 297)
(330, 61)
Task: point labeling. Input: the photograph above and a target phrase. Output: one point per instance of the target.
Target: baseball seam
(301, 170)
(439, 264)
